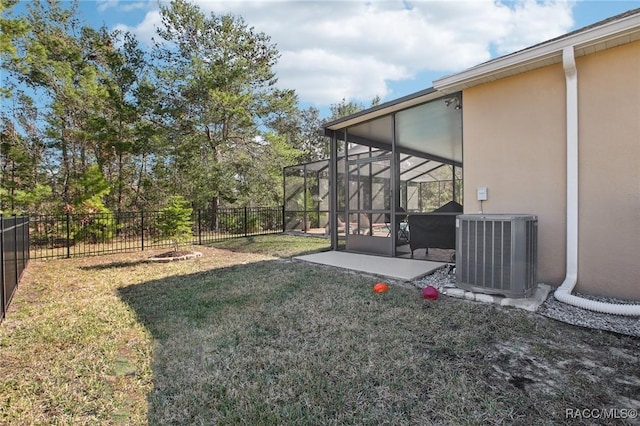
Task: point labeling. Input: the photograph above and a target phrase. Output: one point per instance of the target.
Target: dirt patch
(550, 369)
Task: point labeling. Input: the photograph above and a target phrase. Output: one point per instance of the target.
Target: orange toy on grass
(380, 287)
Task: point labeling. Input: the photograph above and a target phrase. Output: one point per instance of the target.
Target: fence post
(23, 238)
(15, 247)
(284, 224)
(27, 239)
(2, 288)
(245, 221)
(68, 237)
(142, 228)
(199, 228)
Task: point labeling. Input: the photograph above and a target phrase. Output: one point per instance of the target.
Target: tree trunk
(214, 213)
(120, 183)
(65, 167)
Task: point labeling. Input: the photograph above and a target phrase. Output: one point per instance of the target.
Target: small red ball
(380, 287)
(430, 292)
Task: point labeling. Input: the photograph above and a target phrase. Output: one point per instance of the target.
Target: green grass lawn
(244, 335)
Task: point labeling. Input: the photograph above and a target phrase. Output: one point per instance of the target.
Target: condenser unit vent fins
(497, 254)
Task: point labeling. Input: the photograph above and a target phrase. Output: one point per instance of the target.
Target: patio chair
(401, 223)
(436, 229)
(363, 227)
(341, 227)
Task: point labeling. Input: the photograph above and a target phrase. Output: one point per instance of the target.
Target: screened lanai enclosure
(429, 185)
(392, 167)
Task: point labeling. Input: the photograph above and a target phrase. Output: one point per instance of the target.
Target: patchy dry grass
(240, 336)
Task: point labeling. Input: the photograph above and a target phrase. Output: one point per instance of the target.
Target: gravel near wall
(554, 309)
(551, 308)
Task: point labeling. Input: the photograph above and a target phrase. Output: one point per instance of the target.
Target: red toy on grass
(380, 288)
(430, 292)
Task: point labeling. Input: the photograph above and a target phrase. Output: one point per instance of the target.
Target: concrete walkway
(401, 269)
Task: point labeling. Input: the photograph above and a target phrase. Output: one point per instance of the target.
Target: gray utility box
(497, 253)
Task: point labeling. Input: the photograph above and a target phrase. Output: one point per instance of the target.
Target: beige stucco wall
(514, 144)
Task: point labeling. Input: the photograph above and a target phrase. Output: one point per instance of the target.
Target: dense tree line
(91, 122)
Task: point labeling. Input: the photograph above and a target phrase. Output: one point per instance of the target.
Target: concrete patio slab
(400, 269)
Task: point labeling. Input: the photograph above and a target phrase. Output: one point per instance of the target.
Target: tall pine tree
(219, 91)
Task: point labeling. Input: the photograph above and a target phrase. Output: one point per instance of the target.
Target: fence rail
(14, 252)
(76, 235)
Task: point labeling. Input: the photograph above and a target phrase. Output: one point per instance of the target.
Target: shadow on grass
(268, 342)
(195, 298)
(114, 265)
(280, 342)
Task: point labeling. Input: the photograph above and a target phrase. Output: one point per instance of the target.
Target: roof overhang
(624, 30)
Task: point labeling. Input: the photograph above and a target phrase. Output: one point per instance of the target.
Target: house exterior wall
(609, 164)
(515, 145)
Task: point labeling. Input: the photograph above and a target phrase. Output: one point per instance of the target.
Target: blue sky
(356, 50)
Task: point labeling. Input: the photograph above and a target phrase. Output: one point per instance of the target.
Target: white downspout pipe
(563, 293)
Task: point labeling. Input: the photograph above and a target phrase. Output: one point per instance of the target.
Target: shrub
(253, 224)
(95, 226)
(92, 220)
(175, 223)
(231, 223)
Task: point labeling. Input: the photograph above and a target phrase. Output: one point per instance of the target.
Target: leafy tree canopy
(94, 123)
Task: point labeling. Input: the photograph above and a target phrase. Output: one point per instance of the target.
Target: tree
(219, 92)
(96, 103)
(175, 221)
(344, 108)
(10, 30)
(201, 117)
(260, 182)
(95, 222)
(55, 60)
(23, 181)
(117, 125)
(301, 129)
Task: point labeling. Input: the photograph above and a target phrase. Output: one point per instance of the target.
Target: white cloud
(530, 23)
(326, 77)
(123, 6)
(353, 49)
(145, 30)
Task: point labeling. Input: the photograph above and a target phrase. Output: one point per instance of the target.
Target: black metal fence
(75, 235)
(14, 250)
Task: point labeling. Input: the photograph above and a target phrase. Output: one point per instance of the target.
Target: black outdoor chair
(436, 229)
(401, 225)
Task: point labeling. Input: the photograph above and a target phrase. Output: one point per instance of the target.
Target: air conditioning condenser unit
(497, 254)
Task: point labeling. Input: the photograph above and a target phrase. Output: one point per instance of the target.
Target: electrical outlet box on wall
(483, 193)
